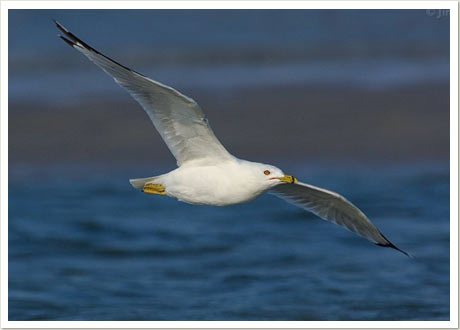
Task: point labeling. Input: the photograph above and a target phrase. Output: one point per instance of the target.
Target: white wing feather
(332, 207)
(177, 118)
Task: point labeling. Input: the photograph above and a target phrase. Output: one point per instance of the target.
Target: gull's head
(272, 176)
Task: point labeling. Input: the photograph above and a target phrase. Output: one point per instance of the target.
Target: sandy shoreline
(300, 122)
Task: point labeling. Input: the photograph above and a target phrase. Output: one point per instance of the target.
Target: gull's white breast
(223, 184)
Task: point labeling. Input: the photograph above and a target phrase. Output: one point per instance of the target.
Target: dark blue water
(84, 245)
(225, 49)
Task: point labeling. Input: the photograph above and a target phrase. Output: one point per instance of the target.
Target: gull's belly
(210, 186)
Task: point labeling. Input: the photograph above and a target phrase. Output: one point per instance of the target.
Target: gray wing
(332, 207)
(177, 118)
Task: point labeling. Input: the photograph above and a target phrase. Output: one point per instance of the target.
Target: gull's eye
(267, 172)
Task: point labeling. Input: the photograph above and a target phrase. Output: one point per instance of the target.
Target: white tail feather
(140, 183)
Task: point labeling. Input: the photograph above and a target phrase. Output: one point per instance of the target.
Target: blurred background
(356, 101)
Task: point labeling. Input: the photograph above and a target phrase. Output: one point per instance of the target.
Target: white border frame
(451, 5)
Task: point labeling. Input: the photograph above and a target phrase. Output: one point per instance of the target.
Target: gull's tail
(140, 183)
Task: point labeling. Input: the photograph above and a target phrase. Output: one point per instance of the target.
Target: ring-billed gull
(207, 173)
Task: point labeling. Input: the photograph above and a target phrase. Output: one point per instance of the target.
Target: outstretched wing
(177, 118)
(333, 207)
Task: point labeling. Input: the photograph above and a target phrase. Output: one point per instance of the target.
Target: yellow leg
(154, 189)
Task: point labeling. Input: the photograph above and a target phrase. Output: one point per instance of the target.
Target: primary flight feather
(207, 173)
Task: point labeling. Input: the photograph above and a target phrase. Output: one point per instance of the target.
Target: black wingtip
(69, 36)
(68, 42)
(75, 42)
(391, 245)
(60, 26)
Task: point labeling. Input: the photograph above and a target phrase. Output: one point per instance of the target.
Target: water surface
(83, 245)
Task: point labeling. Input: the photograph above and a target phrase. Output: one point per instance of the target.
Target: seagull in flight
(207, 174)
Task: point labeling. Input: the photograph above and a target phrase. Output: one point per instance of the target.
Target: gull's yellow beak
(287, 179)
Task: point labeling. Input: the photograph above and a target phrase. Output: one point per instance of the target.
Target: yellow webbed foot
(154, 189)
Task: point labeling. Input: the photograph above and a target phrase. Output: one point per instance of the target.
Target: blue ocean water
(84, 245)
(225, 49)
